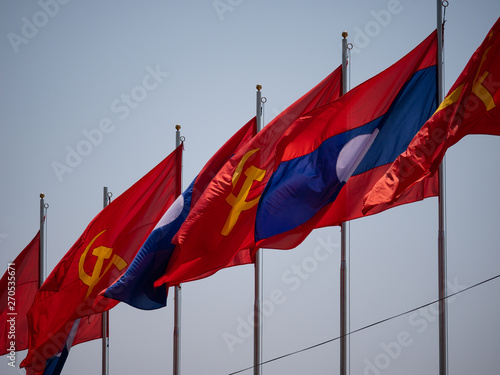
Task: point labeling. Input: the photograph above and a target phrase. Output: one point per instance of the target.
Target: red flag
(20, 283)
(204, 245)
(210, 170)
(18, 287)
(471, 107)
(101, 254)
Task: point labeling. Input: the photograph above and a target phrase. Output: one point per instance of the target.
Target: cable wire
(369, 325)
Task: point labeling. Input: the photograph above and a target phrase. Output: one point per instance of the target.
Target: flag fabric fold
(101, 254)
(20, 283)
(471, 107)
(204, 245)
(136, 286)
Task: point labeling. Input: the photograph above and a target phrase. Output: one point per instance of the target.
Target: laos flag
(332, 156)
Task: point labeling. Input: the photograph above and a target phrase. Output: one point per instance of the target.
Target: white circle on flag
(172, 213)
(349, 155)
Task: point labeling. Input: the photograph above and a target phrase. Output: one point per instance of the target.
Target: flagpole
(105, 314)
(343, 244)
(177, 293)
(41, 261)
(257, 310)
(443, 313)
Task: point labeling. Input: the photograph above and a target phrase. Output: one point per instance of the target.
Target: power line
(369, 325)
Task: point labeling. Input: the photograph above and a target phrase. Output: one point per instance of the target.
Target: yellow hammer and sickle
(477, 88)
(239, 203)
(101, 253)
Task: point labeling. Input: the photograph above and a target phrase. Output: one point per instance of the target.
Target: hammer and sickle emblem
(478, 88)
(239, 203)
(101, 253)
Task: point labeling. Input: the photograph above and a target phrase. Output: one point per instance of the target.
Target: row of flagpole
(258, 323)
(258, 312)
(443, 321)
(258, 274)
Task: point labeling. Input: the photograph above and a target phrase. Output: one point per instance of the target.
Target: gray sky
(64, 73)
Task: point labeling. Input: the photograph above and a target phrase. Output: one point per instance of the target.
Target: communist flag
(101, 254)
(207, 241)
(136, 286)
(471, 107)
(20, 283)
(287, 179)
(22, 279)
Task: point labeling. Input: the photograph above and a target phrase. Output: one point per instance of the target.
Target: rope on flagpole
(445, 4)
(349, 48)
(263, 100)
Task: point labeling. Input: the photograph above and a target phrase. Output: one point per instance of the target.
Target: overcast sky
(66, 68)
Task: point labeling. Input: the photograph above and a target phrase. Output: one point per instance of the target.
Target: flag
(18, 287)
(332, 156)
(99, 256)
(22, 279)
(204, 243)
(471, 107)
(136, 286)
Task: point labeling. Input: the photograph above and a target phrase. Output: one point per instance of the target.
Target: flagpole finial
(177, 127)
(42, 195)
(258, 87)
(344, 34)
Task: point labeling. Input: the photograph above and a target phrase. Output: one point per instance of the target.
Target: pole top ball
(258, 87)
(344, 34)
(177, 127)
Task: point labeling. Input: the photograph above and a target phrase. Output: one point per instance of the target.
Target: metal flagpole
(177, 294)
(443, 318)
(343, 244)
(105, 315)
(257, 310)
(41, 261)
